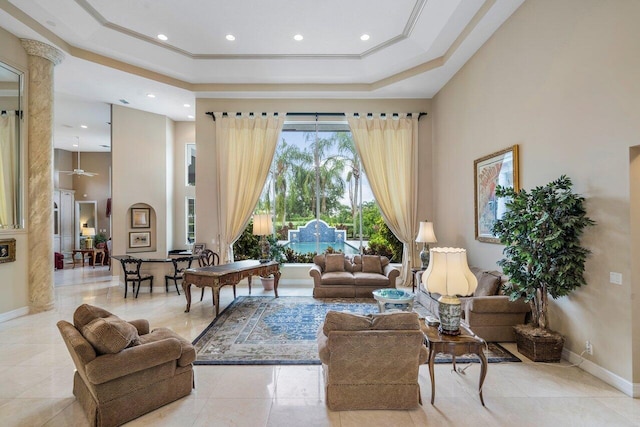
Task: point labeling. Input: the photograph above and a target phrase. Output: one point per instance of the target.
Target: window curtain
(245, 146)
(8, 145)
(388, 148)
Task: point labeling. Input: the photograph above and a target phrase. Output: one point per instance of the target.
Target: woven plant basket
(539, 345)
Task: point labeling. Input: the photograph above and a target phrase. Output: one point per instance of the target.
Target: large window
(319, 197)
(191, 219)
(190, 164)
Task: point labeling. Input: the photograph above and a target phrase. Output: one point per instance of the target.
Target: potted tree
(541, 232)
(276, 253)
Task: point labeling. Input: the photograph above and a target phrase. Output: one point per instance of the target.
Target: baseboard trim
(614, 380)
(18, 312)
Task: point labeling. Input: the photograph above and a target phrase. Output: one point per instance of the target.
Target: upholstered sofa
(341, 276)
(488, 312)
(371, 362)
(122, 369)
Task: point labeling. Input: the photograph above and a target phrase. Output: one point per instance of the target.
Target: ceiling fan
(78, 170)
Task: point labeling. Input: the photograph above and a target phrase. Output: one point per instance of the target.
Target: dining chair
(131, 270)
(207, 258)
(179, 266)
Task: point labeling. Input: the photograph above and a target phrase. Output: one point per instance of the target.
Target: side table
(455, 345)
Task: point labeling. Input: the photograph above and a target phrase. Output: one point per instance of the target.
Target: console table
(217, 276)
(455, 345)
(90, 252)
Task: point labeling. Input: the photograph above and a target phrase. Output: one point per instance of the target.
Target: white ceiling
(113, 53)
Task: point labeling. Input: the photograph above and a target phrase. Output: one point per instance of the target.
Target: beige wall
(140, 147)
(14, 288)
(561, 80)
(206, 202)
(96, 187)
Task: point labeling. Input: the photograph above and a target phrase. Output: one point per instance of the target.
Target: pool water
(306, 247)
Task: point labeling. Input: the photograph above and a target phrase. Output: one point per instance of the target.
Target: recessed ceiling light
(75, 145)
(150, 95)
(83, 126)
(190, 116)
(187, 105)
(163, 37)
(230, 37)
(298, 37)
(364, 37)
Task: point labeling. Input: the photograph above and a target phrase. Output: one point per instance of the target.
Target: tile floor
(36, 377)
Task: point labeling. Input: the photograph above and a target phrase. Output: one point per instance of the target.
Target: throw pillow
(110, 335)
(334, 262)
(371, 264)
(487, 285)
(87, 313)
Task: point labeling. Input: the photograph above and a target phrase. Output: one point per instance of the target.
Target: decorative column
(42, 58)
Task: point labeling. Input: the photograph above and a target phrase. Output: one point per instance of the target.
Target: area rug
(282, 331)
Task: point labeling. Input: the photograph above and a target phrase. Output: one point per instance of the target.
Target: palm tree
(347, 150)
(287, 156)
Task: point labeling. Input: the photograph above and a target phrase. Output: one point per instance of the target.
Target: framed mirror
(86, 223)
(11, 122)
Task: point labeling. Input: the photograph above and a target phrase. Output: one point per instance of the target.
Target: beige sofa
(488, 312)
(371, 362)
(341, 276)
(122, 369)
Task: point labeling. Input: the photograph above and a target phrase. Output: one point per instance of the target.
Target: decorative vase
(537, 344)
(267, 283)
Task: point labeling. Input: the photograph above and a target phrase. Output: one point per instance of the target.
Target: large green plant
(541, 231)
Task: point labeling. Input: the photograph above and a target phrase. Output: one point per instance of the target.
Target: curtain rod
(210, 113)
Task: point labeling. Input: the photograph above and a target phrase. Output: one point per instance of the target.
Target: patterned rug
(281, 331)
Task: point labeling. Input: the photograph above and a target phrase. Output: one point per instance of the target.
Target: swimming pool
(306, 247)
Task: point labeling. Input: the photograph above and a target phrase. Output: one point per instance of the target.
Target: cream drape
(8, 145)
(388, 148)
(245, 146)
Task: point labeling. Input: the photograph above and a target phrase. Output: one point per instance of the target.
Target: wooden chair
(131, 271)
(208, 257)
(179, 266)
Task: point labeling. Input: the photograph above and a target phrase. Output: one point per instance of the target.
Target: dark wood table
(217, 276)
(90, 252)
(455, 345)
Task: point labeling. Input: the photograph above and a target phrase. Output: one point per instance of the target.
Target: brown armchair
(371, 362)
(122, 370)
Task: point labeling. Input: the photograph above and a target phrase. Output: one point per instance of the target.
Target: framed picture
(140, 218)
(198, 248)
(139, 239)
(7, 250)
(500, 168)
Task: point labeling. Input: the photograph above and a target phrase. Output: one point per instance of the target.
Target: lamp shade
(448, 273)
(262, 225)
(426, 234)
(88, 231)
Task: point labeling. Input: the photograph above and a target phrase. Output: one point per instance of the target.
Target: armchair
(371, 362)
(122, 369)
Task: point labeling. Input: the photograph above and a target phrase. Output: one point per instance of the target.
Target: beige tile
(72, 415)
(234, 412)
(305, 412)
(300, 382)
(246, 382)
(31, 412)
(183, 412)
(375, 419)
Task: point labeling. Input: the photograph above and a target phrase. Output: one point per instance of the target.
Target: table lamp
(262, 226)
(89, 232)
(425, 236)
(448, 275)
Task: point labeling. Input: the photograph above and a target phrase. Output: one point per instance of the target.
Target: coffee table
(455, 345)
(390, 299)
